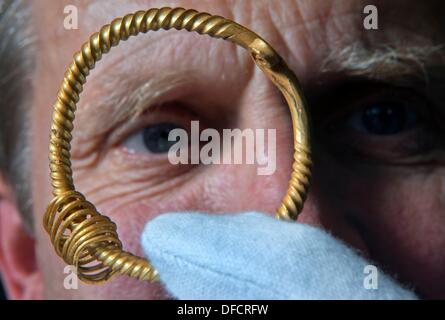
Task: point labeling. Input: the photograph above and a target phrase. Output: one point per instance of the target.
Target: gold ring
(80, 234)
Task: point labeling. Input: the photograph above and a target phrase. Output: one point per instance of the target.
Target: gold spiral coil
(79, 233)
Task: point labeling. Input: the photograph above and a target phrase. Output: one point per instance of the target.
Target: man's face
(375, 101)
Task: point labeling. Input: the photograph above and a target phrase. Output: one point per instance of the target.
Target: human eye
(384, 124)
(153, 138)
(150, 135)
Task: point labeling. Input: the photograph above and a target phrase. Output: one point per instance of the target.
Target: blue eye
(155, 137)
(385, 118)
(152, 139)
(379, 123)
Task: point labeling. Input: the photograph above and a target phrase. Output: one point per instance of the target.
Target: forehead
(308, 34)
(317, 21)
(284, 13)
(305, 32)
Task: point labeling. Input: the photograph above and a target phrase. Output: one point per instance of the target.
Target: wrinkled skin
(382, 194)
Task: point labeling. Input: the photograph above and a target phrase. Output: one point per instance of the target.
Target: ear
(18, 268)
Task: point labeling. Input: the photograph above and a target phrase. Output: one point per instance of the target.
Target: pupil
(385, 120)
(156, 137)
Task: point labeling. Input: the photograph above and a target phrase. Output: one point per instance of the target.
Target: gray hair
(16, 60)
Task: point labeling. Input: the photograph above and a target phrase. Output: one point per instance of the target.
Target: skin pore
(383, 194)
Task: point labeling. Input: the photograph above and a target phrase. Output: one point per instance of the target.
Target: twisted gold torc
(80, 234)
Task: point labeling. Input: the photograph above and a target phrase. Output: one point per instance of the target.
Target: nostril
(360, 240)
(343, 226)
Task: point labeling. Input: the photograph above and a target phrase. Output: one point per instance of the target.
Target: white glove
(254, 256)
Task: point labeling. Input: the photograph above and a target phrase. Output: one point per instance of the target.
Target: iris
(386, 119)
(155, 137)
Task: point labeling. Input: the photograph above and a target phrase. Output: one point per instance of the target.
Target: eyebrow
(387, 63)
(127, 101)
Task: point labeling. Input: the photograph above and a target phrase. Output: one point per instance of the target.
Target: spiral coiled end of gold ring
(89, 241)
(79, 233)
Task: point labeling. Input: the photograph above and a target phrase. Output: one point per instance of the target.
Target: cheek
(401, 215)
(140, 186)
(396, 212)
(214, 189)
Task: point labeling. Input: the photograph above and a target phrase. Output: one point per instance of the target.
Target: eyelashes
(384, 118)
(384, 113)
(152, 138)
(380, 123)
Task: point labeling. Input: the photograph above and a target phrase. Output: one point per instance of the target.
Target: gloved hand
(254, 256)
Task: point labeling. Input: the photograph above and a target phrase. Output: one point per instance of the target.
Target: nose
(236, 188)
